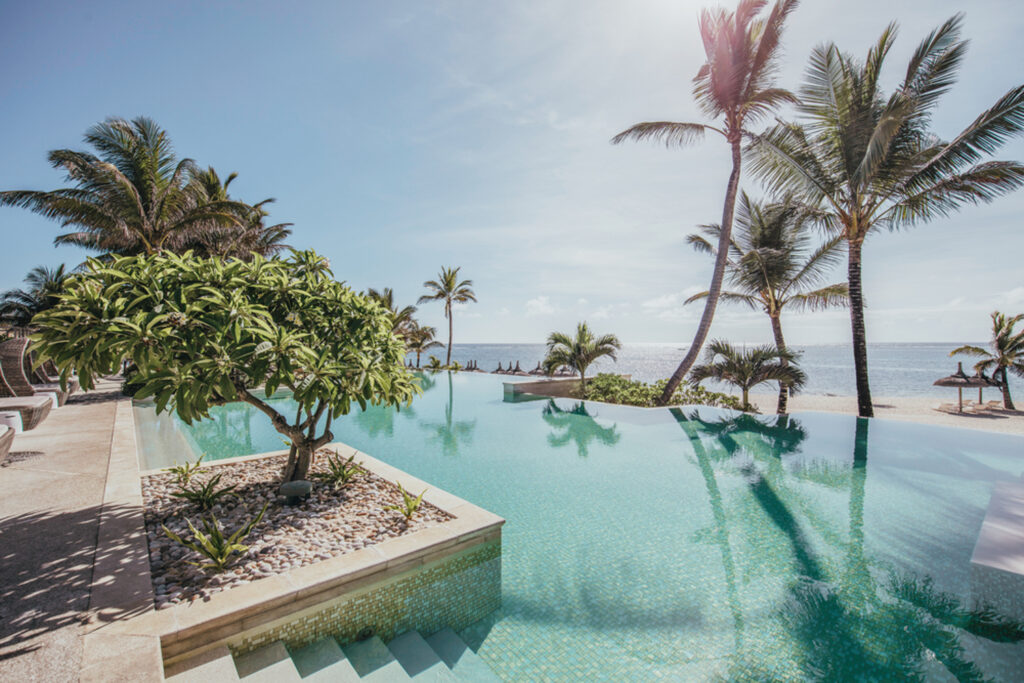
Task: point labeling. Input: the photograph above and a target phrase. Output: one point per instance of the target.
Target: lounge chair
(6, 439)
(33, 409)
(15, 379)
(499, 371)
(994, 405)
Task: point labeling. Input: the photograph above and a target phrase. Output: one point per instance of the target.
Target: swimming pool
(694, 544)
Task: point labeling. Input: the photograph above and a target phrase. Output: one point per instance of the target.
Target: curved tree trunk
(724, 240)
(780, 344)
(860, 348)
(299, 461)
(1004, 386)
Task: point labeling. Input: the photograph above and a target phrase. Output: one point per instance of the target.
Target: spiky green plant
(870, 161)
(434, 364)
(579, 351)
(402, 321)
(737, 85)
(410, 504)
(746, 368)
(419, 339)
(205, 494)
(213, 545)
(44, 285)
(449, 289)
(183, 473)
(340, 472)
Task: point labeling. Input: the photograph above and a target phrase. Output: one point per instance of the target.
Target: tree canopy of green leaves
(204, 331)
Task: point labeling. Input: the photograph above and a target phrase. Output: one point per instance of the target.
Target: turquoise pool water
(696, 544)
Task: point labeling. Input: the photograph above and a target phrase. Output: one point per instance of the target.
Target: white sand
(907, 409)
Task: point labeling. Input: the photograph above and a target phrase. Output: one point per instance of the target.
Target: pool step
(442, 658)
(212, 665)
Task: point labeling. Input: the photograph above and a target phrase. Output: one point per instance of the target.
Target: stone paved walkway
(51, 493)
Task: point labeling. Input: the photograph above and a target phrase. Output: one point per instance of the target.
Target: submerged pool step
(269, 664)
(420, 660)
(324, 661)
(464, 663)
(374, 662)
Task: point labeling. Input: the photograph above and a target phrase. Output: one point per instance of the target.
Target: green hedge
(617, 389)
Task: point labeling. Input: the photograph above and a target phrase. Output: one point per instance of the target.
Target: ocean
(895, 369)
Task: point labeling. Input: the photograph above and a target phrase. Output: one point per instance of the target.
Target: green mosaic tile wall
(454, 592)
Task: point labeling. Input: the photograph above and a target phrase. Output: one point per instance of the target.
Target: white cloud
(540, 305)
(581, 301)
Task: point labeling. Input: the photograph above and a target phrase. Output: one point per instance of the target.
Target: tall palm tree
(1007, 354)
(19, 306)
(749, 367)
(401, 318)
(773, 265)
(579, 351)
(735, 84)
(450, 290)
(870, 160)
(134, 196)
(420, 339)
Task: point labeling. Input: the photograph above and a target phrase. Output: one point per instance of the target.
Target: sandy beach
(912, 409)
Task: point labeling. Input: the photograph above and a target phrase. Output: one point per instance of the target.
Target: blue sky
(403, 136)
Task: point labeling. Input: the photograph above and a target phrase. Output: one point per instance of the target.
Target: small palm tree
(870, 160)
(773, 265)
(749, 367)
(1007, 354)
(419, 339)
(579, 351)
(450, 290)
(401, 318)
(19, 306)
(135, 197)
(737, 85)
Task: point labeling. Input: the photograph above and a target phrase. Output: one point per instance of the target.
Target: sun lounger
(33, 409)
(15, 378)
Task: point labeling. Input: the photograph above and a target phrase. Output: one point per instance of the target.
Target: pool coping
(128, 639)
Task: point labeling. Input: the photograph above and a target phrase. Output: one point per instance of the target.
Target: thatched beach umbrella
(961, 380)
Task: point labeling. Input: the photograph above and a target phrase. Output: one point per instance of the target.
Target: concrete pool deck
(52, 488)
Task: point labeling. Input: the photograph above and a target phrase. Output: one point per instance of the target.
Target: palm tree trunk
(1004, 386)
(860, 348)
(418, 360)
(746, 398)
(780, 344)
(448, 360)
(724, 240)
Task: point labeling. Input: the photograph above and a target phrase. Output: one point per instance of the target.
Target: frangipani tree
(206, 331)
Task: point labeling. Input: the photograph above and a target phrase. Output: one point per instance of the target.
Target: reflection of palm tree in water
(577, 426)
(451, 432)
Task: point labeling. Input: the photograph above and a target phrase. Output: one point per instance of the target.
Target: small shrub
(184, 473)
(409, 505)
(611, 388)
(340, 472)
(434, 364)
(456, 366)
(205, 494)
(213, 545)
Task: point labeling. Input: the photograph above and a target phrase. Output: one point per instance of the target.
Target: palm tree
(450, 290)
(579, 351)
(773, 265)
(870, 161)
(19, 306)
(401, 318)
(420, 339)
(749, 367)
(1007, 354)
(737, 85)
(135, 197)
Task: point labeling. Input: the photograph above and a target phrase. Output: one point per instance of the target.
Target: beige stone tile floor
(51, 493)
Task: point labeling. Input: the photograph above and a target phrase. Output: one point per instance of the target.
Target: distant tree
(449, 289)
(748, 368)
(402, 318)
(579, 351)
(870, 160)
(737, 85)
(773, 265)
(1006, 356)
(420, 339)
(43, 285)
